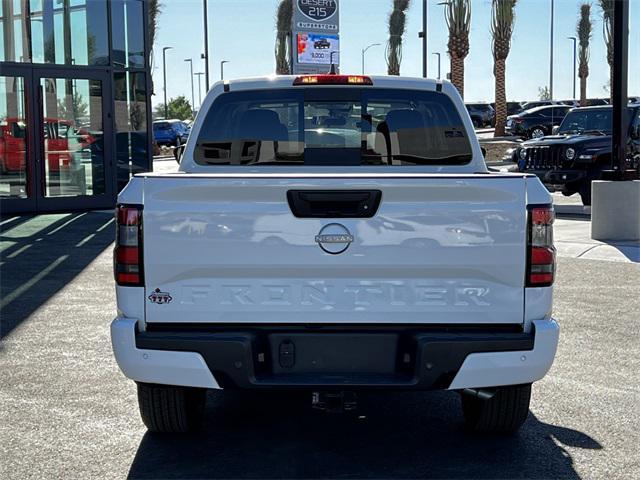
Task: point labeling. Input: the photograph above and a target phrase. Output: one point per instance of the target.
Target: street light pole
(575, 46)
(164, 72)
(193, 98)
(199, 74)
(423, 36)
(551, 53)
(222, 68)
(438, 54)
(364, 50)
(205, 55)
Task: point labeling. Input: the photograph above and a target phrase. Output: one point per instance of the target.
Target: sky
(243, 32)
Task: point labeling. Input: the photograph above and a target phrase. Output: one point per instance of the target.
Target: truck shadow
(41, 254)
(392, 435)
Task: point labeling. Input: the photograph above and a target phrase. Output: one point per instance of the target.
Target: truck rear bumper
(334, 357)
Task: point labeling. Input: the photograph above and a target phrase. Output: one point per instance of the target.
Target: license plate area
(334, 353)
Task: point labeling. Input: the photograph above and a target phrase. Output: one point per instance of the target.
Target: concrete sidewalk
(573, 239)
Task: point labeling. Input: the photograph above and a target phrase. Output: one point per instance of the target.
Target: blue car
(170, 132)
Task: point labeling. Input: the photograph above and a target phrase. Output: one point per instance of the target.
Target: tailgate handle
(334, 203)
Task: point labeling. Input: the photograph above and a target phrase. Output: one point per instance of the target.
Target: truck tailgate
(440, 249)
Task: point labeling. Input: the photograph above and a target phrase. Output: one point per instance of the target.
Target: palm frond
(584, 32)
(397, 28)
(502, 20)
(284, 15)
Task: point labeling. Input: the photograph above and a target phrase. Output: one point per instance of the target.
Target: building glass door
(16, 139)
(72, 137)
(56, 147)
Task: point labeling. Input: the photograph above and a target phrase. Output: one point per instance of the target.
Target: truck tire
(585, 193)
(505, 412)
(170, 409)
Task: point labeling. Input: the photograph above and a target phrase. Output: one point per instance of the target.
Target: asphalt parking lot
(66, 410)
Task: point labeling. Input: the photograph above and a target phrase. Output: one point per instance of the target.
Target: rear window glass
(333, 127)
(582, 120)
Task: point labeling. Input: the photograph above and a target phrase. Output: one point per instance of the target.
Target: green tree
(544, 93)
(583, 30)
(502, 20)
(397, 27)
(283, 37)
(75, 110)
(458, 17)
(178, 107)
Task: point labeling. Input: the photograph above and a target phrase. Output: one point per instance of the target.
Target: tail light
(541, 254)
(127, 256)
(518, 120)
(330, 79)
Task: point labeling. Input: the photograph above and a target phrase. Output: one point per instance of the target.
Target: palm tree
(283, 37)
(607, 26)
(583, 31)
(458, 16)
(153, 12)
(502, 20)
(397, 19)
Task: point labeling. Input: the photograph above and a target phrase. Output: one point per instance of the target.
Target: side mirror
(555, 130)
(484, 152)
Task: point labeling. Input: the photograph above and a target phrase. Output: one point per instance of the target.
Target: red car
(62, 140)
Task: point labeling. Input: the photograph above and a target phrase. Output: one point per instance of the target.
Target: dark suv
(482, 114)
(579, 152)
(536, 122)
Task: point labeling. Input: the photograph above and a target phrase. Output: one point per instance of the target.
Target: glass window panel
(13, 46)
(69, 32)
(128, 33)
(58, 36)
(73, 137)
(14, 141)
(131, 125)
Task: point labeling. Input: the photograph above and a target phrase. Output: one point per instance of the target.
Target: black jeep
(579, 150)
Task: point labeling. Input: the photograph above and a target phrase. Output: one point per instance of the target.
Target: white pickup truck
(334, 233)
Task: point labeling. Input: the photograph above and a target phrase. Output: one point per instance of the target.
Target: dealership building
(75, 115)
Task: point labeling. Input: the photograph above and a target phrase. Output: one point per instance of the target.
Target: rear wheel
(537, 132)
(170, 409)
(505, 412)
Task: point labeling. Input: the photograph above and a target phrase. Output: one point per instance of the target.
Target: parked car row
(536, 122)
(484, 115)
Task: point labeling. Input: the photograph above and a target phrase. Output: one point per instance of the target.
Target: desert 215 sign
(318, 10)
(315, 35)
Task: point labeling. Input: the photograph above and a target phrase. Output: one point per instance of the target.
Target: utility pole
(575, 46)
(164, 72)
(222, 68)
(438, 54)
(205, 55)
(619, 86)
(199, 74)
(423, 36)
(364, 50)
(551, 53)
(193, 98)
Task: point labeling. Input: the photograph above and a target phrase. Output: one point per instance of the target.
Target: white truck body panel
(440, 249)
